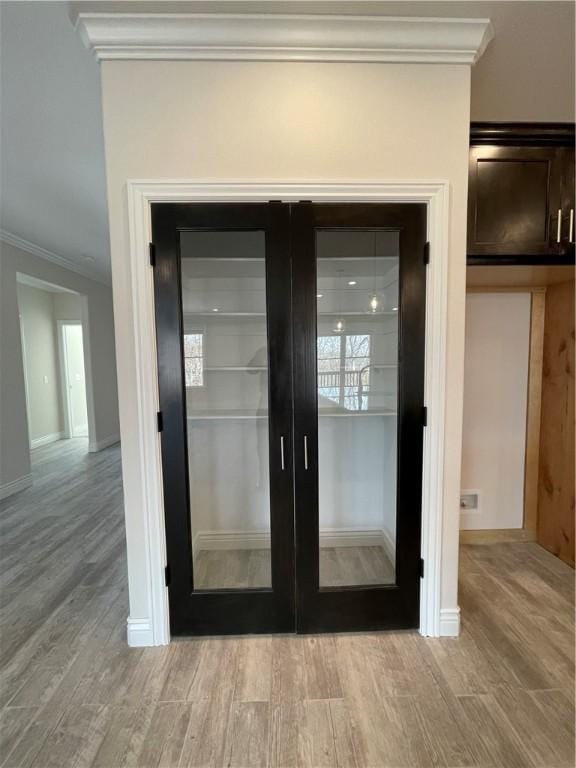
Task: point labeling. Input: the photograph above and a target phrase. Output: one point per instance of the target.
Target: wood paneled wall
(556, 484)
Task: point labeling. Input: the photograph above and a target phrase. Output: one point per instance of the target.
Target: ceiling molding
(43, 285)
(279, 37)
(55, 258)
(532, 134)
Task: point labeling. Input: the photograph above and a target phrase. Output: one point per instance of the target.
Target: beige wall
(526, 73)
(37, 319)
(67, 306)
(284, 121)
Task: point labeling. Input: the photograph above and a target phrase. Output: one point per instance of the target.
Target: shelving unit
(224, 314)
(222, 299)
(234, 368)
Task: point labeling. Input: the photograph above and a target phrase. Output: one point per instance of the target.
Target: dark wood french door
(290, 341)
(224, 336)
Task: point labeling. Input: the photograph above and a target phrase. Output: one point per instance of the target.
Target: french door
(290, 344)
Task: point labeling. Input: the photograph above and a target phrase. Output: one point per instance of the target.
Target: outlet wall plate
(469, 501)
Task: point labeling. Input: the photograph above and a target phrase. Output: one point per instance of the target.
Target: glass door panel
(223, 276)
(357, 367)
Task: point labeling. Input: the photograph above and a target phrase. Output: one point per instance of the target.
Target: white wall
(285, 122)
(36, 309)
(98, 345)
(495, 401)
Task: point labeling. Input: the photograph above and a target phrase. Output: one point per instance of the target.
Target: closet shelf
(237, 415)
(254, 416)
(360, 313)
(234, 368)
(258, 368)
(188, 316)
(343, 414)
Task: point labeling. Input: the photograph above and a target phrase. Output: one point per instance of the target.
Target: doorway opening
(518, 448)
(74, 380)
(53, 320)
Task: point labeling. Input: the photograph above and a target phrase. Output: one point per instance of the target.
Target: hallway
(73, 693)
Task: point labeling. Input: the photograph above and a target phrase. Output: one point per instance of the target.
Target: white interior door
(75, 380)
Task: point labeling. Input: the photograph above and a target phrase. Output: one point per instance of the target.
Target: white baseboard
(389, 545)
(139, 633)
(231, 540)
(46, 439)
(329, 537)
(99, 445)
(351, 537)
(449, 622)
(20, 484)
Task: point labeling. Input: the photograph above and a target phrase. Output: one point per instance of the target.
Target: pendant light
(339, 327)
(374, 301)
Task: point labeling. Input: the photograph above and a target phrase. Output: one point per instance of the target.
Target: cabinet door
(567, 204)
(514, 199)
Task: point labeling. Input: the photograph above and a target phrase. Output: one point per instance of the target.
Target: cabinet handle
(282, 453)
(305, 451)
(559, 226)
(571, 227)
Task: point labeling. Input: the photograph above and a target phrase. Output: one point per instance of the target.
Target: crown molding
(55, 258)
(515, 134)
(279, 37)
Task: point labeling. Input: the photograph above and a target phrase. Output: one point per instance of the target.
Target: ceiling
(52, 172)
(53, 180)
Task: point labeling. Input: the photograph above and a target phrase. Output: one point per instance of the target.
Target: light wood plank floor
(73, 694)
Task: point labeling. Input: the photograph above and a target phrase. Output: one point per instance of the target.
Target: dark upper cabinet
(521, 194)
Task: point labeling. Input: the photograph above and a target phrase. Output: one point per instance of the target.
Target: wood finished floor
(73, 694)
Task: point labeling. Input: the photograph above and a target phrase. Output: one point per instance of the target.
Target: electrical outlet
(468, 501)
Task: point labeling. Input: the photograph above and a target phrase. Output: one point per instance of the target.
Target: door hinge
(152, 253)
(424, 416)
(160, 421)
(426, 253)
(421, 568)
(167, 576)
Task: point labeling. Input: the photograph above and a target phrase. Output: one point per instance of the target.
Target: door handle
(559, 226)
(571, 227)
(283, 465)
(305, 451)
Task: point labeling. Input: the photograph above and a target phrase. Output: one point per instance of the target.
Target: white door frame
(25, 371)
(64, 383)
(141, 193)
